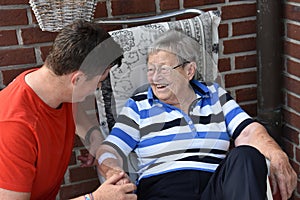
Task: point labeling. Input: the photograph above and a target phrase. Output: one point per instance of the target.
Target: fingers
(285, 181)
(128, 187)
(131, 197)
(273, 184)
(115, 178)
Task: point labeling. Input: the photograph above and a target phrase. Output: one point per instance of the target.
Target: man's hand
(282, 175)
(115, 171)
(110, 191)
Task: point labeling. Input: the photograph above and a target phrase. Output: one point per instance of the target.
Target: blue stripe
(124, 136)
(232, 114)
(183, 136)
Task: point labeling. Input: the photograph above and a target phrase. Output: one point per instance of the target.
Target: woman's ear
(191, 70)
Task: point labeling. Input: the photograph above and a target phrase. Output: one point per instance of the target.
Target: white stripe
(127, 111)
(212, 127)
(236, 121)
(163, 117)
(144, 161)
(229, 106)
(122, 145)
(182, 145)
(167, 132)
(165, 167)
(134, 133)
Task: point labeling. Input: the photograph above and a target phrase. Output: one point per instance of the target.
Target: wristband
(89, 196)
(105, 156)
(88, 134)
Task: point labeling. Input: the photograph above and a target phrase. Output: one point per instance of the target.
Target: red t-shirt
(36, 141)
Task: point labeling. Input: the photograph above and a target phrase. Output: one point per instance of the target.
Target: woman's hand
(110, 190)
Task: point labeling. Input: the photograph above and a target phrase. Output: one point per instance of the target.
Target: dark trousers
(241, 175)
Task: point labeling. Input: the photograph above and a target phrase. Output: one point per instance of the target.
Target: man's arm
(88, 130)
(8, 195)
(281, 172)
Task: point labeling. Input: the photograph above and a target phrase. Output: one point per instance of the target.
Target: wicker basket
(53, 15)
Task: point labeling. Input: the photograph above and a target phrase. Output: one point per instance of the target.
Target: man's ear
(77, 77)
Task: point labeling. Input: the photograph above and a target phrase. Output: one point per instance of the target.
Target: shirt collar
(200, 89)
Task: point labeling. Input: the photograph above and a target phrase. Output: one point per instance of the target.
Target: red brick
(13, 17)
(298, 154)
(36, 35)
(293, 31)
(17, 56)
(251, 109)
(293, 102)
(100, 10)
(292, 49)
(291, 118)
(193, 3)
(169, 4)
(246, 94)
(291, 135)
(293, 67)
(239, 45)
(74, 190)
(82, 173)
(8, 38)
(121, 7)
(238, 11)
(14, 2)
(9, 75)
(73, 159)
(45, 51)
(224, 64)
(292, 12)
(238, 79)
(223, 30)
(288, 147)
(34, 20)
(291, 85)
(247, 61)
(296, 167)
(245, 27)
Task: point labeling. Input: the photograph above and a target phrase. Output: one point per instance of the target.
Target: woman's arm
(281, 172)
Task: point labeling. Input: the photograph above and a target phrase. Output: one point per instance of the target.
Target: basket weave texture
(53, 15)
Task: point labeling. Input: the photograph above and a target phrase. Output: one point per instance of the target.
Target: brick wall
(23, 45)
(291, 74)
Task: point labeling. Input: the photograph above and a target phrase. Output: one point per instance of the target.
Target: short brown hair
(73, 44)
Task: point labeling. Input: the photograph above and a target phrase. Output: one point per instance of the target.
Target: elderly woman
(180, 130)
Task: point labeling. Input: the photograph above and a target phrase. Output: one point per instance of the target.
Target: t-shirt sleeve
(236, 118)
(18, 157)
(125, 133)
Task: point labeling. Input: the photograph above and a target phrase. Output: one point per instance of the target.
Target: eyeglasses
(164, 69)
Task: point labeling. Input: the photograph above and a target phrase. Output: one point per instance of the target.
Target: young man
(37, 121)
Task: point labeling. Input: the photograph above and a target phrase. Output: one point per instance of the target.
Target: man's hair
(74, 43)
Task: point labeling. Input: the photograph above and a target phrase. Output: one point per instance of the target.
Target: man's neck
(51, 89)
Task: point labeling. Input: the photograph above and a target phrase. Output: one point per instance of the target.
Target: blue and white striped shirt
(166, 139)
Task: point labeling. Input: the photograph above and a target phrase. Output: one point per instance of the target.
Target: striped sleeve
(236, 118)
(125, 133)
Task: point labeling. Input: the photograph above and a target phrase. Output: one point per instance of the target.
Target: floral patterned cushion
(125, 79)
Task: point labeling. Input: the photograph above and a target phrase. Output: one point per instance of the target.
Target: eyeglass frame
(179, 65)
